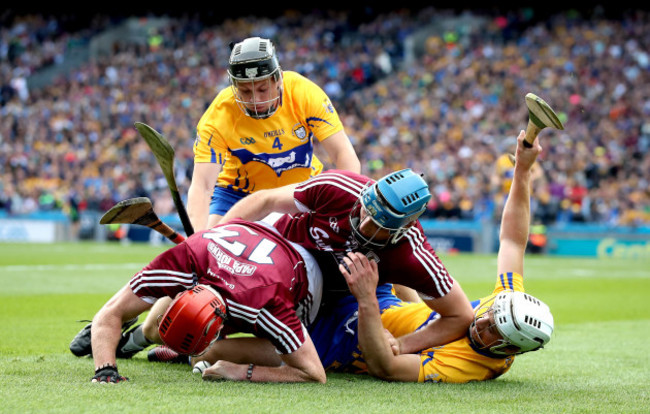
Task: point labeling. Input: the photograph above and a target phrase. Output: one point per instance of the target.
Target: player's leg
(222, 200)
(80, 344)
(150, 325)
(145, 334)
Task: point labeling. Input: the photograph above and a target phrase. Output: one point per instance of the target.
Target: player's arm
(406, 294)
(456, 314)
(302, 365)
(204, 178)
(341, 152)
(262, 203)
(515, 221)
(362, 278)
(241, 350)
(107, 329)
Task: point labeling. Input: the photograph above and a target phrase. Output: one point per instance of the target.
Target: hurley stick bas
(139, 210)
(165, 155)
(540, 116)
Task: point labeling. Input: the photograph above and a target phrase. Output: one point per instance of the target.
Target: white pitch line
(97, 266)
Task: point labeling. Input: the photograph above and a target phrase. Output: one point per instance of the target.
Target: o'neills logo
(229, 264)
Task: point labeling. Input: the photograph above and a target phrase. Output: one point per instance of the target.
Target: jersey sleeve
(414, 263)
(209, 145)
(268, 312)
(509, 281)
(456, 362)
(320, 114)
(331, 191)
(168, 274)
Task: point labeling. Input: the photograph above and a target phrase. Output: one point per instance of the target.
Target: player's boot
(163, 353)
(80, 344)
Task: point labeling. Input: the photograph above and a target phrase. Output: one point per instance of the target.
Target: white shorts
(314, 275)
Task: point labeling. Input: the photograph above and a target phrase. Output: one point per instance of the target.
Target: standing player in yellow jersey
(260, 132)
(506, 323)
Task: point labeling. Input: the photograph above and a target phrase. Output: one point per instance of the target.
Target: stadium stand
(440, 91)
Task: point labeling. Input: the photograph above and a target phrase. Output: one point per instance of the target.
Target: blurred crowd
(450, 111)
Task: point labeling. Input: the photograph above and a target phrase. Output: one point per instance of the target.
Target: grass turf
(596, 362)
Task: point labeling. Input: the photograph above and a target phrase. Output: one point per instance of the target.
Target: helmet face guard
(524, 323)
(372, 240)
(255, 77)
(393, 204)
(193, 320)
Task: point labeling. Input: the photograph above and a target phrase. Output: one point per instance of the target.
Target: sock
(137, 341)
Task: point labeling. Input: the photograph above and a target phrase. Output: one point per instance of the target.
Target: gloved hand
(108, 374)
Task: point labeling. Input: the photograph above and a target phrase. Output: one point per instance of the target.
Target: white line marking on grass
(96, 266)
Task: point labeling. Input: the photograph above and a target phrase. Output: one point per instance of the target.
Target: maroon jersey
(323, 227)
(259, 274)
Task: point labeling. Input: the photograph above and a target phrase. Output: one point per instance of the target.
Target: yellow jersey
(457, 361)
(257, 154)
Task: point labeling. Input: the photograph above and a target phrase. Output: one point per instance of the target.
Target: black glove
(108, 373)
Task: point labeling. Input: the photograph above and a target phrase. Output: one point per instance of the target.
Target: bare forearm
(348, 161)
(341, 152)
(223, 369)
(284, 373)
(106, 333)
(516, 212)
(372, 341)
(198, 207)
(254, 207)
(262, 203)
(439, 332)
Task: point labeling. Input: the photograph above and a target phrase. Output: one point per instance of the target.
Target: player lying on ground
(241, 275)
(339, 211)
(506, 323)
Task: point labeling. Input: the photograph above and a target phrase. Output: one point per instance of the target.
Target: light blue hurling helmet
(393, 202)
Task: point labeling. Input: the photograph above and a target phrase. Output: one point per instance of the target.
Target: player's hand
(361, 274)
(108, 374)
(525, 157)
(393, 342)
(224, 370)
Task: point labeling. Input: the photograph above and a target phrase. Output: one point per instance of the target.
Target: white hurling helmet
(523, 320)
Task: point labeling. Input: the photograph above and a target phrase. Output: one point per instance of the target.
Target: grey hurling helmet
(251, 62)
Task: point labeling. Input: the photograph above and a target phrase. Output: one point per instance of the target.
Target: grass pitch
(597, 361)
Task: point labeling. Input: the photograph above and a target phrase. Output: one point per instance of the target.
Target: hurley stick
(540, 116)
(139, 210)
(165, 155)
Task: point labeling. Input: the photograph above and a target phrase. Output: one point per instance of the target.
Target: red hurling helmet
(193, 320)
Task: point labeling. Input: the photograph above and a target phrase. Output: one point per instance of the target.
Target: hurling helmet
(523, 321)
(393, 202)
(252, 61)
(193, 320)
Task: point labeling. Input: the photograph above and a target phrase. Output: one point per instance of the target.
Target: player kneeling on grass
(358, 333)
(240, 274)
